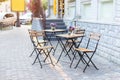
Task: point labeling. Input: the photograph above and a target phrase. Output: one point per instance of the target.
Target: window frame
(99, 10)
(83, 3)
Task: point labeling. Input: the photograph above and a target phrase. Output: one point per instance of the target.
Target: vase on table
(70, 33)
(52, 28)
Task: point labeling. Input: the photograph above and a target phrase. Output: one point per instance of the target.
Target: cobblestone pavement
(15, 63)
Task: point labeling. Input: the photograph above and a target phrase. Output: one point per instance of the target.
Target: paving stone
(15, 63)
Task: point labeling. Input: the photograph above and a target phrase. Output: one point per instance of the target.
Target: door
(61, 6)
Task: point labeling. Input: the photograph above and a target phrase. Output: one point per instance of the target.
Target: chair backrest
(40, 35)
(32, 36)
(80, 31)
(95, 36)
(35, 36)
(94, 39)
(32, 33)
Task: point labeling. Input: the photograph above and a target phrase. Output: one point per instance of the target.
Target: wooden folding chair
(77, 40)
(42, 48)
(39, 45)
(34, 40)
(82, 52)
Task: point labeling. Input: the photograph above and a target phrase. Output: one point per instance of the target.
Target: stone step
(60, 25)
(57, 27)
(54, 20)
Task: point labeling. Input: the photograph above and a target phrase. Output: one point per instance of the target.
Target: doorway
(61, 6)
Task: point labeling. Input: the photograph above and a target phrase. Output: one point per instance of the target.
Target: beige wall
(5, 6)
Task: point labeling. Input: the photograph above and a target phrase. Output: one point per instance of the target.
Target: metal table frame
(68, 37)
(53, 32)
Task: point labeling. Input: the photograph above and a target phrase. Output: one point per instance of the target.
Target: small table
(54, 32)
(71, 37)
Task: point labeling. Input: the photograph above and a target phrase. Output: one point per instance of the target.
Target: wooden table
(53, 32)
(67, 36)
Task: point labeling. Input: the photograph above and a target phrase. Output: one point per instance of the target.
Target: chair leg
(81, 57)
(59, 57)
(50, 57)
(32, 53)
(39, 62)
(73, 58)
(83, 60)
(90, 60)
(55, 48)
(47, 54)
(37, 53)
(35, 59)
(68, 44)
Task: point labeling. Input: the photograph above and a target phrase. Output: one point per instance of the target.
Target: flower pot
(70, 32)
(53, 28)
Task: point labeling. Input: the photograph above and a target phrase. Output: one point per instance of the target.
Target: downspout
(75, 9)
(71, 22)
(74, 22)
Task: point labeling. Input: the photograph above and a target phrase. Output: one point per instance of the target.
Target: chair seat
(83, 50)
(42, 41)
(44, 47)
(70, 41)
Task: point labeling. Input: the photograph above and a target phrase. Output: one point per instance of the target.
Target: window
(71, 12)
(86, 11)
(106, 10)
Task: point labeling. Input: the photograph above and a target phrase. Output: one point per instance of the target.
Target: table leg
(63, 49)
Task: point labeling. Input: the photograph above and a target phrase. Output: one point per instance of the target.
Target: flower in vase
(53, 26)
(71, 29)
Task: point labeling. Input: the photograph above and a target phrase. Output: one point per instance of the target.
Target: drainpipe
(75, 13)
(75, 8)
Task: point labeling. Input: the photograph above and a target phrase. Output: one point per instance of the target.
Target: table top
(56, 30)
(70, 35)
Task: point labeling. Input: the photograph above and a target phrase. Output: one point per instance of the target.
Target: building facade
(101, 16)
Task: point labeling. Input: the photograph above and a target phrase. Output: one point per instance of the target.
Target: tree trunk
(42, 13)
(39, 12)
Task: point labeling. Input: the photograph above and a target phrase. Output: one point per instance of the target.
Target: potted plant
(71, 30)
(53, 26)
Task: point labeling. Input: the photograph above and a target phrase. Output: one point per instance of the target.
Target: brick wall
(109, 46)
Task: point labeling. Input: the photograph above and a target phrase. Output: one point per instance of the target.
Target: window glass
(86, 11)
(71, 12)
(106, 10)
